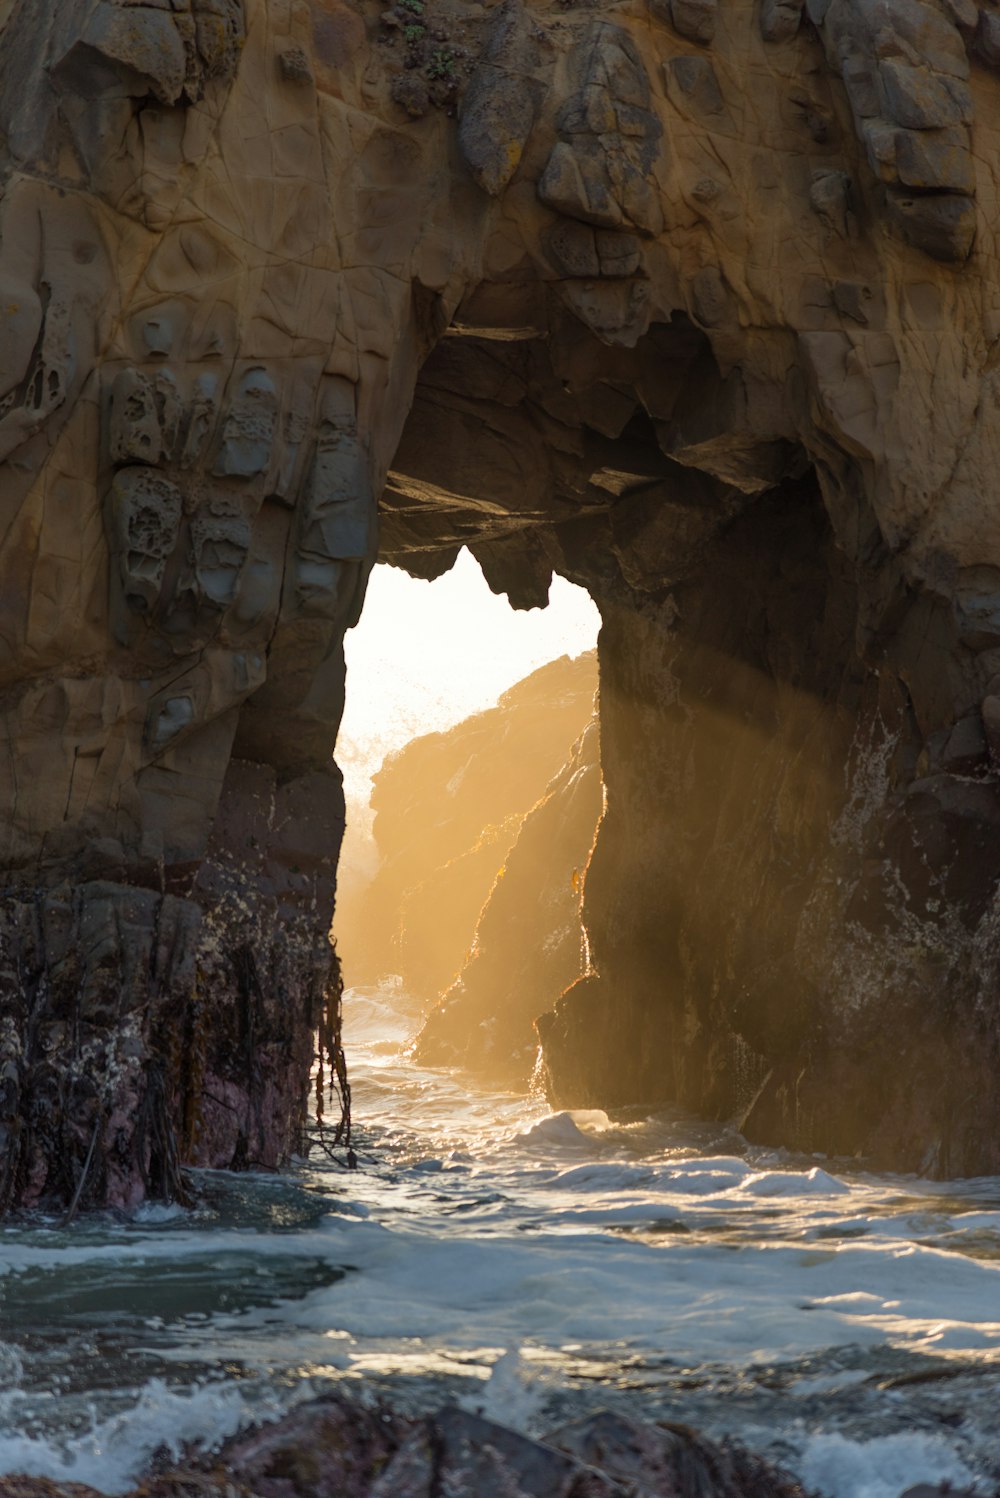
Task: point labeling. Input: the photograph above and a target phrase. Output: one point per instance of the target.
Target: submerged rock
(334, 1449)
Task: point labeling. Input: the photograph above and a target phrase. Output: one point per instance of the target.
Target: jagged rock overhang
(769, 694)
(545, 449)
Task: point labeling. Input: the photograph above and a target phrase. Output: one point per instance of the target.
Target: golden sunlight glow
(425, 655)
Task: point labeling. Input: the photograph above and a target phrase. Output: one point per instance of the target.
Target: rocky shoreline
(336, 1448)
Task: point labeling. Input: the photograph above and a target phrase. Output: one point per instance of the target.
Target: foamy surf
(109, 1452)
(533, 1265)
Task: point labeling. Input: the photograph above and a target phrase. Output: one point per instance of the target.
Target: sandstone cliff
(448, 809)
(528, 944)
(695, 303)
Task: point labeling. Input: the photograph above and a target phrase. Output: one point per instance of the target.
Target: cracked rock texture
(694, 303)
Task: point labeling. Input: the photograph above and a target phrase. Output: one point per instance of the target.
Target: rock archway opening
(462, 867)
(644, 475)
(552, 293)
(766, 884)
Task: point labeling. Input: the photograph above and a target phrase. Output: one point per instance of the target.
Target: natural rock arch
(696, 304)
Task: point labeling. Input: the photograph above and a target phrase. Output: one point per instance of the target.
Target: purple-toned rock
(329, 1449)
(334, 1449)
(466, 1456)
(670, 1461)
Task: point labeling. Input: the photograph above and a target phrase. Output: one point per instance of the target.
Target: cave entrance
(461, 873)
(724, 540)
(675, 491)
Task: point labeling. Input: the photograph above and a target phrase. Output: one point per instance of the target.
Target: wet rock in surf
(334, 1449)
(459, 1453)
(670, 1461)
(328, 1449)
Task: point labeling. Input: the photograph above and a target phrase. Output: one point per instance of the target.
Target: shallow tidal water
(532, 1266)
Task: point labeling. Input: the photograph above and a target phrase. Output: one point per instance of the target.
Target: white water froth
(534, 1265)
(109, 1453)
(880, 1468)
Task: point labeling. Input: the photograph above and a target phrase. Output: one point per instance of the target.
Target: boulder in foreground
(333, 1449)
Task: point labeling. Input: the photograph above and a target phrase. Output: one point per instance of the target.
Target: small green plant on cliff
(414, 33)
(415, 7)
(442, 63)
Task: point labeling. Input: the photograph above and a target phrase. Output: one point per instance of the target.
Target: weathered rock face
(528, 943)
(143, 1030)
(449, 807)
(690, 299)
(332, 1448)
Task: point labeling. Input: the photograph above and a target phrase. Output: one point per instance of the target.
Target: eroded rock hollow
(694, 303)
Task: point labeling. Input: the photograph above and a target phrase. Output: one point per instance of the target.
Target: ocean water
(533, 1266)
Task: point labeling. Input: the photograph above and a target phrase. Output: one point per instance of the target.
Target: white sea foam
(883, 1467)
(110, 1453)
(513, 1394)
(693, 1301)
(814, 1182)
(515, 1252)
(569, 1128)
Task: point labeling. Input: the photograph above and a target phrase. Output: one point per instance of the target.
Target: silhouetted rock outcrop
(529, 938)
(448, 810)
